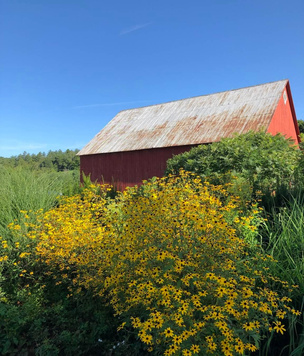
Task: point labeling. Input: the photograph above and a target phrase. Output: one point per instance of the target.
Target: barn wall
(284, 120)
(128, 168)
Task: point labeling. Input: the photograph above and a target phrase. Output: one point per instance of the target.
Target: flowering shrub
(170, 258)
(38, 313)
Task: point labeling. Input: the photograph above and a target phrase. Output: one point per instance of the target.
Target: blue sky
(67, 67)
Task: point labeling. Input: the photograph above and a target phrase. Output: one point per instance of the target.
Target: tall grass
(284, 232)
(23, 189)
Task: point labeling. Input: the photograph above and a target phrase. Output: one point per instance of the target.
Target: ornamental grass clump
(169, 258)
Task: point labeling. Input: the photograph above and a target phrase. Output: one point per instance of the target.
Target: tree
(301, 126)
(265, 161)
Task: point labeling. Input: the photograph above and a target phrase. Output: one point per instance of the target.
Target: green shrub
(266, 162)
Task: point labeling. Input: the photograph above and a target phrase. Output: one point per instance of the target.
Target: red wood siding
(284, 119)
(128, 168)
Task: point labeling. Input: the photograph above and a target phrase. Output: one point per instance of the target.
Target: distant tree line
(53, 160)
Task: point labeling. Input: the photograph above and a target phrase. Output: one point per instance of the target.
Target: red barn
(136, 144)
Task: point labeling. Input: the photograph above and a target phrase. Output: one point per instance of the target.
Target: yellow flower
(147, 339)
(240, 346)
(279, 327)
(195, 349)
(248, 326)
(121, 326)
(280, 314)
(212, 346)
(251, 347)
(168, 332)
(295, 312)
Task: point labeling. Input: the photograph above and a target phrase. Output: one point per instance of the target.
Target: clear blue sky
(67, 67)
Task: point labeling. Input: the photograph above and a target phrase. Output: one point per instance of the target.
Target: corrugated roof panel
(201, 119)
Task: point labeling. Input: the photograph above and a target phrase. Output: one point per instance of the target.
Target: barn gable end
(136, 144)
(284, 119)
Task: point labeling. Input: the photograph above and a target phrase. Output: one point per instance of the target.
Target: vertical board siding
(129, 168)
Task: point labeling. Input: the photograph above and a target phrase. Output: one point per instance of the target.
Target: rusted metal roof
(197, 120)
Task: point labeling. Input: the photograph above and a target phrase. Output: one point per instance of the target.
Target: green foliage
(54, 160)
(301, 126)
(61, 161)
(47, 322)
(263, 160)
(284, 239)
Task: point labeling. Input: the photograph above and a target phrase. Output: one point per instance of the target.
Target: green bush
(266, 162)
